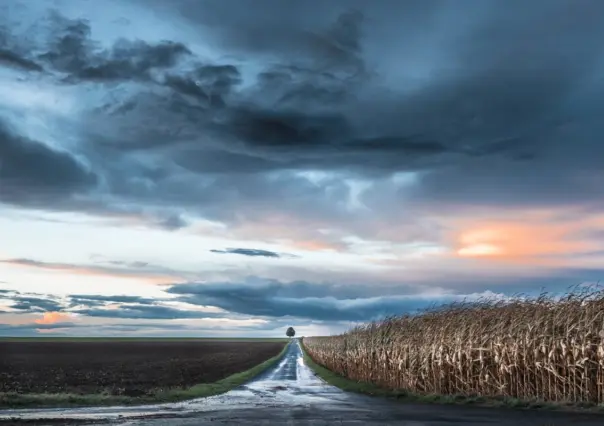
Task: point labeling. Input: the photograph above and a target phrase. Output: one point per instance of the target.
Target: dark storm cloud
(494, 102)
(328, 34)
(291, 85)
(99, 300)
(329, 302)
(228, 196)
(34, 304)
(361, 302)
(506, 89)
(252, 252)
(31, 302)
(33, 173)
(216, 161)
(130, 307)
(71, 50)
(132, 60)
(283, 111)
(300, 299)
(207, 83)
(506, 108)
(11, 59)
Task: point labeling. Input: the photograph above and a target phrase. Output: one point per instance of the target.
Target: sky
(232, 168)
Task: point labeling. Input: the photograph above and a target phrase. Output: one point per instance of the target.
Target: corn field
(549, 349)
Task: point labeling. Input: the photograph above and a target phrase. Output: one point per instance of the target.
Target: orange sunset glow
(53, 318)
(537, 243)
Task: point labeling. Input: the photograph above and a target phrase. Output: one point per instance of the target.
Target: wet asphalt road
(290, 394)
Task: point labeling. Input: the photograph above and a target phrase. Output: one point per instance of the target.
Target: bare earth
(290, 394)
(131, 368)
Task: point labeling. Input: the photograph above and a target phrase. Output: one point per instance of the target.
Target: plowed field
(131, 368)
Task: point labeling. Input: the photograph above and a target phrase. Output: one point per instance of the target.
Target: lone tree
(290, 332)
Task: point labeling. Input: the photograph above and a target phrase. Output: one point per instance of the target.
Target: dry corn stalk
(544, 348)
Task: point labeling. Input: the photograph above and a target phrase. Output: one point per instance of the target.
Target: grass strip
(12, 400)
(371, 389)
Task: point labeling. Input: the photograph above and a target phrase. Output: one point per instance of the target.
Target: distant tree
(290, 332)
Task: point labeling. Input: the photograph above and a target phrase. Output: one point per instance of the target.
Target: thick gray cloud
(259, 117)
(488, 93)
(301, 300)
(34, 304)
(33, 173)
(96, 299)
(31, 303)
(130, 307)
(329, 301)
(252, 252)
(71, 50)
(12, 59)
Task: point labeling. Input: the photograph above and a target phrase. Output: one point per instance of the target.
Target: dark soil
(131, 368)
